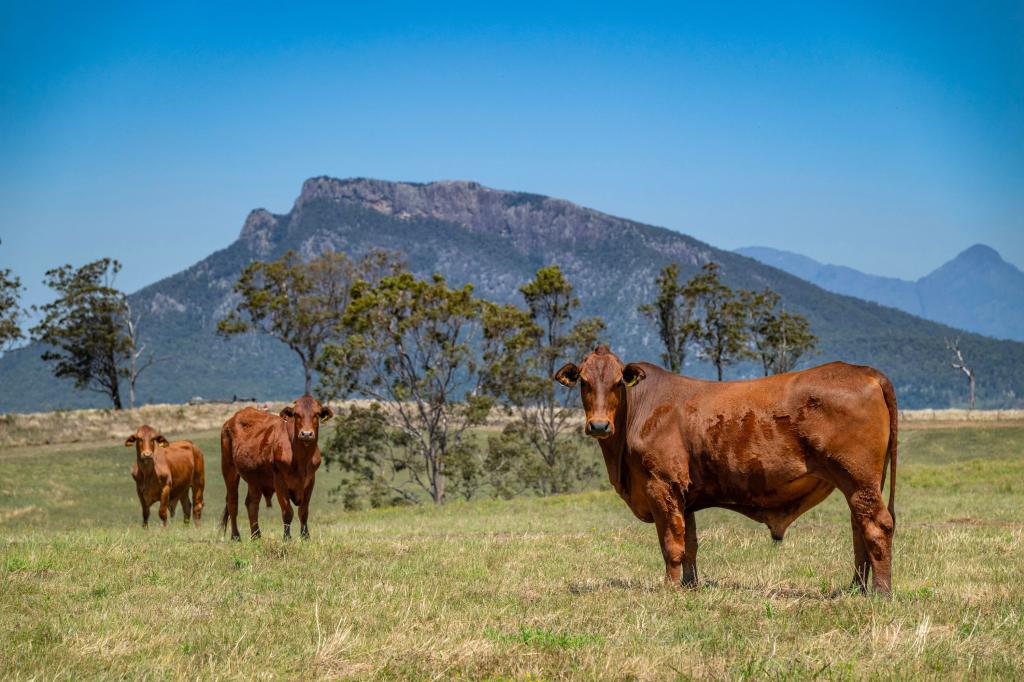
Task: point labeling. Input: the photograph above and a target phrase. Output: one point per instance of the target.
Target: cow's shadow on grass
(579, 587)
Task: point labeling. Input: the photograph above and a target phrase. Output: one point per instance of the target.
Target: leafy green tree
(522, 351)
(301, 304)
(779, 338)
(672, 311)
(410, 348)
(10, 311)
(722, 328)
(85, 327)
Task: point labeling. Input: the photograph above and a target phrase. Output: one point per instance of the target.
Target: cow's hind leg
(690, 550)
(873, 522)
(252, 506)
(231, 480)
(186, 507)
(198, 483)
(861, 565)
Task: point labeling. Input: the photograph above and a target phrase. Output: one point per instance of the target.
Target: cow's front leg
(668, 521)
(165, 498)
(286, 506)
(690, 550)
(145, 510)
(307, 494)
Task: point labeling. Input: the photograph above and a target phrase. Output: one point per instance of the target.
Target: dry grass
(563, 587)
(86, 426)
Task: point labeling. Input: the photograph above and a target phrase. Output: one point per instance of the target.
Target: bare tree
(959, 363)
(135, 351)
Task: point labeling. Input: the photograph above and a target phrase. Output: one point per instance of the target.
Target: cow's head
(307, 414)
(145, 439)
(603, 382)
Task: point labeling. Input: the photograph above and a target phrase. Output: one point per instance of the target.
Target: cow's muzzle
(146, 455)
(599, 429)
(307, 436)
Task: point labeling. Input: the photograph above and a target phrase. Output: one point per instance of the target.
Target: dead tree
(959, 363)
(135, 368)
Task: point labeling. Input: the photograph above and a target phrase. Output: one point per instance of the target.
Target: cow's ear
(287, 413)
(632, 374)
(568, 375)
(161, 441)
(130, 441)
(326, 413)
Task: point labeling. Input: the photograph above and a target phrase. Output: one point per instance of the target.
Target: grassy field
(568, 586)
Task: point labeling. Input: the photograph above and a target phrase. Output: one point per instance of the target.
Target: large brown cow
(770, 449)
(165, 472)
(274, 453)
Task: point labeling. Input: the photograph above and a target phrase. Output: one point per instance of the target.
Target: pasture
(568, 586)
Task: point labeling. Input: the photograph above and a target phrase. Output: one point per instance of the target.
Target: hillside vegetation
(561, 587)
(497, 240)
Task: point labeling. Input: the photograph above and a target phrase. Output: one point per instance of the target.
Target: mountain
(496, 240)
(977, 290)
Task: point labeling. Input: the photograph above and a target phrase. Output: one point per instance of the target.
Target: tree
(10, 311)
(722, 328)
(522, 351)
(85, 327)
(136, 348)
(301, 304)
(779, 339)
(410, 345)
(672, 312)
(960, 364)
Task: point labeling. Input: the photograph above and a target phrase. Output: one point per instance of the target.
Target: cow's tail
(225, 465)
(890, 453)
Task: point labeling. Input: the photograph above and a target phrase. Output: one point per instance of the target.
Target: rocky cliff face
(495, 240)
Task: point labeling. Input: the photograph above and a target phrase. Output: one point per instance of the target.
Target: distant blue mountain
(977, 290)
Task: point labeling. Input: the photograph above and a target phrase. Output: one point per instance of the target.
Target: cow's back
(179, 457)
(745, 441)
(249, 438)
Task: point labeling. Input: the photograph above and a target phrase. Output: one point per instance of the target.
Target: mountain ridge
(496, 239)
(976, 290)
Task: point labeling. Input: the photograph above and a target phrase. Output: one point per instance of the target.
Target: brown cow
(273, 453)
(770, 449)
(165, 472)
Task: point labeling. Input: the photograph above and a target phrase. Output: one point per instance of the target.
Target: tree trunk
(309, 379)
(970, 378)
(115, 395)
(718, 366)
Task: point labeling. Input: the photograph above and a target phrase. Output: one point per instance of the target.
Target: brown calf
(165, 472)
(274, 453)
(770, 449)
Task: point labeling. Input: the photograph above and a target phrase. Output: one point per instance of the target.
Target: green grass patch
(562, 587)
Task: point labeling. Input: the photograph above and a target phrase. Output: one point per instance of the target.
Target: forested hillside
(496, 240)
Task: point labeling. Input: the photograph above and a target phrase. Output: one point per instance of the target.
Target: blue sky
(884, 139)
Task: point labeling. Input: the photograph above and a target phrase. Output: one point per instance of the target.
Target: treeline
(434, 361)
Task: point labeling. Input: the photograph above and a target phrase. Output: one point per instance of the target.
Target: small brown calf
(165, 472)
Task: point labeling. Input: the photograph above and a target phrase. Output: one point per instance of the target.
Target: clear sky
(881, 138)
